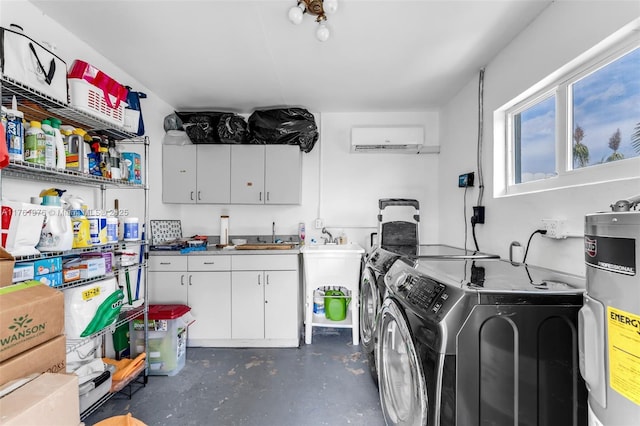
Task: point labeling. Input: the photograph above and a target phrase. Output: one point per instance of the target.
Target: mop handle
(142, 246)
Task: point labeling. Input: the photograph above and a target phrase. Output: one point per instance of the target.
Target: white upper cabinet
(231, 174)
(266, 174)
(196, 174)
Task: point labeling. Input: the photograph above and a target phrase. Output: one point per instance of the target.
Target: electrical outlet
(318, 223)
(555, 228)
(478, 214)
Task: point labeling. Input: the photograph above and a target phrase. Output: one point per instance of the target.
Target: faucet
(327, 240)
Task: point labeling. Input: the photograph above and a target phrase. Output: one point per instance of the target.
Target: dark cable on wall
(464, 212)
(480, 137)
(526, 251)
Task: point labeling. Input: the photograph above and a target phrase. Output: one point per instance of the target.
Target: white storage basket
(90, 99)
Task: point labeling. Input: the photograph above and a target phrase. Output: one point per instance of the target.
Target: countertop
(213, 250)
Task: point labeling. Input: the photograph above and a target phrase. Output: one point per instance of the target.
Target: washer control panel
(381, 260)
(423, 293)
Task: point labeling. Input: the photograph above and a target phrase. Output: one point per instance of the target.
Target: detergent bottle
(57, 233)
(79, 222)
(50, 144)
(61, 158)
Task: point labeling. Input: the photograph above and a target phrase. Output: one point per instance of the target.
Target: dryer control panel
(421, 293)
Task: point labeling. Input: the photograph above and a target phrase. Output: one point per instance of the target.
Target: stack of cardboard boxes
(32, 344)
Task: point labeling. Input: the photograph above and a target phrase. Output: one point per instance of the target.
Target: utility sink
(332, 266)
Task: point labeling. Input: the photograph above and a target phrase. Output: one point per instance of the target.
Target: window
(579, 126)
(535, 141)
(606, 112)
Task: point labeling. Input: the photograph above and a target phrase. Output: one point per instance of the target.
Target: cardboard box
(23, 272)
(30, 313)
(48, 357)
(90, 267)
(53, 279)
(107, 256)
(49, 399)
(71, 274)
(47, 266)
(6, 267)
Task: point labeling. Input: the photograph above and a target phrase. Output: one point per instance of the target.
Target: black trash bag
(232, 128)
(286, 126)
(201, 126)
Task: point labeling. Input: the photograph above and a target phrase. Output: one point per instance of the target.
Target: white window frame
(559, 83)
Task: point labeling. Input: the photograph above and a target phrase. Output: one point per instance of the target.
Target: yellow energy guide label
(624, 353)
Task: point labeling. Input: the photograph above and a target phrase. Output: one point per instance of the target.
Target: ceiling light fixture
(318, 9)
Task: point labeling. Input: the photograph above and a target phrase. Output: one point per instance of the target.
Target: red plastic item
(167, 312)
(92, 75)
(4, 152)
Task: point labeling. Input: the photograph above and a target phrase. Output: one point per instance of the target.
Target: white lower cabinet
(200, 282)
(239, 300)
(264, 304)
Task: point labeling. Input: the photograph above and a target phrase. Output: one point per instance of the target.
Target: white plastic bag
(21, 227)
(81, 304)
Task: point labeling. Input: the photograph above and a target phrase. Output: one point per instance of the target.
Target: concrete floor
(325, 383)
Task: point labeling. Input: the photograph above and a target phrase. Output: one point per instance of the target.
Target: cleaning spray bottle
(79, 222)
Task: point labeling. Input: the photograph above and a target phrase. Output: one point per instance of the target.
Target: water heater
(609, 321)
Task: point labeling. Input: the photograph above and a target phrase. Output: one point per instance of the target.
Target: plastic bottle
(34, 143)
(61, 158)
(77, 145)
(301, 232)
(105, 165)
(114, 160)
(50, 144)
(15, 132)
(131, 229)
(79, 222)
(57, 232)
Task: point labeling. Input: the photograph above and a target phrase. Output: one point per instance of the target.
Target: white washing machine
(610, 319)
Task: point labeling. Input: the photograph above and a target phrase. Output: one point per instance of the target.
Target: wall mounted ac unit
(401, 139)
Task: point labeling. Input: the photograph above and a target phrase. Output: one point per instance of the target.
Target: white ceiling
(384, 55)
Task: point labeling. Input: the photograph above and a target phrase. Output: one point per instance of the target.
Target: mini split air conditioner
(401, 139)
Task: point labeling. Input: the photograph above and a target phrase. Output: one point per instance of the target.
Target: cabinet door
(247, 304)
(283, 174)
(213, 174)
(281, 305)
(168, 288)
(179, 174)
(247, 174)
(210, 302)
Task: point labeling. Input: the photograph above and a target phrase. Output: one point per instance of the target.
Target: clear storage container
(167, 350)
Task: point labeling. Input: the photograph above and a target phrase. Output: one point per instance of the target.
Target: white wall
(339, 187)
(563, 31)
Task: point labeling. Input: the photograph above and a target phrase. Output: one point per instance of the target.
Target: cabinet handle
(258, 279)
(199, 199)
(209, 263)
(190, 279)
(260, 196)
(191, 196)
(267, 195)
(165, 263)
(267, 281)
(181, 279)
